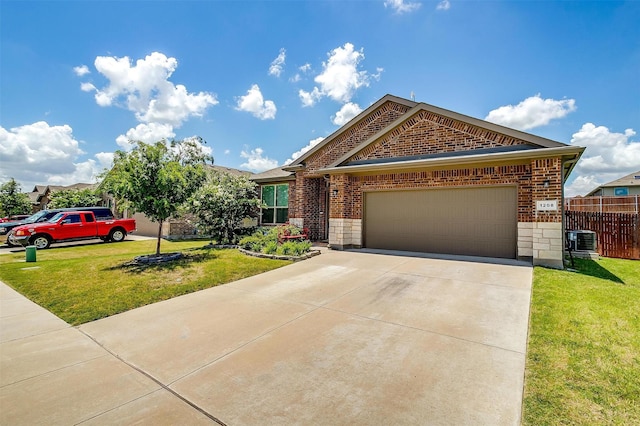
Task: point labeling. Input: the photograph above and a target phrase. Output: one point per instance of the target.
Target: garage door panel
(465, 221)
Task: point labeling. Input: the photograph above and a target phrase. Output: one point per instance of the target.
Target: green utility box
(31, 253)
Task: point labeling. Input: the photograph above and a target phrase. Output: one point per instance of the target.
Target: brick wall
(429, 133)
(372, 124)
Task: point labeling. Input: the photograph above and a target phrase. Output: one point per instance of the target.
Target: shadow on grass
(594, 269)
(189, 257)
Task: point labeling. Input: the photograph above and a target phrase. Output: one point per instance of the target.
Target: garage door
(464, 221)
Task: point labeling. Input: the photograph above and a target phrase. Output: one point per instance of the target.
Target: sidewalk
(52, 373)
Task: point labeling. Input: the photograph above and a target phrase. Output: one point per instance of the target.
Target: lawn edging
(305, 256)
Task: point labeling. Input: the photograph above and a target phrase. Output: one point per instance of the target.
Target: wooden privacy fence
(604, 204)
(618, 233)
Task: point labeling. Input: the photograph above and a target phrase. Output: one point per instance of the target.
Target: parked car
(73, 226)
(43, 216)
(13, 218)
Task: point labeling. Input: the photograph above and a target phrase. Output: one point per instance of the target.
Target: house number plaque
(547, 205)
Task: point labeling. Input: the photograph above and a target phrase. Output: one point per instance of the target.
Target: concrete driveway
(342, 338)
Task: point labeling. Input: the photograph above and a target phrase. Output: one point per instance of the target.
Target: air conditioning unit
(581, 240)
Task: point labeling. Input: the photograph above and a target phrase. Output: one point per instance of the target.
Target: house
(405, 175)
(40, 196)
(626, 185)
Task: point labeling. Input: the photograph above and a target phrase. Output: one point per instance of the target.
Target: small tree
(74, 198)
(222, 204)
(12, 200)
(157, 179)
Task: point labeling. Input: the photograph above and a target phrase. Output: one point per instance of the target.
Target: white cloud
(608, 156)
(42, 154)
(304, 150)
(256, 162)
(305, 68)
(278, 63)
(81, 70)
(443, 5)
(340, 77)
(254, 103)
(87, 87)
(346, 113)
(399, 6)
(145, 89)
(227, 151)
(532, 112)
(148, 133)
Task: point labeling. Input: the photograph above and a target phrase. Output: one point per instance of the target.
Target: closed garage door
(464, 221)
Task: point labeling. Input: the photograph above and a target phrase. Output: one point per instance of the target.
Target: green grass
(84, 283)
(583, 358)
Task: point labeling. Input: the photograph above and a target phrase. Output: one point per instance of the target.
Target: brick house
(404, 175)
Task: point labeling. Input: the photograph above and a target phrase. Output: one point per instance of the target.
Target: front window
(275, 200)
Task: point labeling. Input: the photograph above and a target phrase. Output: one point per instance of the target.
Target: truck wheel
(117, 235)
(41, 242)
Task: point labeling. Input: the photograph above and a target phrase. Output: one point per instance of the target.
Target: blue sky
(262, 81)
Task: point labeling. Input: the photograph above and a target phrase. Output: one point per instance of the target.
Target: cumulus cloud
(256, 161)
(399, 6)
(39, 153)
(443, 5)
(277, 65)
(304, 150)
(81, 70)
(340, 76)
(532, 112)
(346, 113)
(608, 156)
(254, 103)
(148, 133)
(145, 89)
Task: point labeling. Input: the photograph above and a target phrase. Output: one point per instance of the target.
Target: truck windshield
(35, 217)
(56, 218)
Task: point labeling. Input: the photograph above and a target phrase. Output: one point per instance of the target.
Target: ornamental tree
(157, 179)
(221, 205)
(12, 200)
(74, 198)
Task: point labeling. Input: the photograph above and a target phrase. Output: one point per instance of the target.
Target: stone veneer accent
(548, 244)
(345, 233)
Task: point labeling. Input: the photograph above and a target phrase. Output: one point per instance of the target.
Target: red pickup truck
(72, 226)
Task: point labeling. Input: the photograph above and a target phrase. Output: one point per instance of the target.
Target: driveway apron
(342, 338)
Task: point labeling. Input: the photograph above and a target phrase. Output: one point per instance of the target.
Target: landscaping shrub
(266, 240)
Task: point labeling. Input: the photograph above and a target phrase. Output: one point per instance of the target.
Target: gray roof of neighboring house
(231, 171)
(632, 179)
(273, 175)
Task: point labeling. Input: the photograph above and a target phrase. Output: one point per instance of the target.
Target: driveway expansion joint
(158, 382)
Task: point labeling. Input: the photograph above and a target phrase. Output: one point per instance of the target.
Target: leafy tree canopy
(74, 198)
(222, 204)
(12, 200)
(157, 179)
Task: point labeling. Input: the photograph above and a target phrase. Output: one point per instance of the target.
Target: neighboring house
(404, 175)
(41, 194)
(627, 185)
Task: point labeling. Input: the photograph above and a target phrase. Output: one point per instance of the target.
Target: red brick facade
(425, 131)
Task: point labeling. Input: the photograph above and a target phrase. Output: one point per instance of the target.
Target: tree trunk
(159, 237)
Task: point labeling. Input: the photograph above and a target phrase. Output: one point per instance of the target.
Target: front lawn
(583, 358)
(84, 283)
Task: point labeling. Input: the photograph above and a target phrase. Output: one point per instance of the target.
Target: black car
(101, 213)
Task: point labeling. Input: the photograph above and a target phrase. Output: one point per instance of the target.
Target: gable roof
(632, 179)
(354, 121)
(533, 146)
